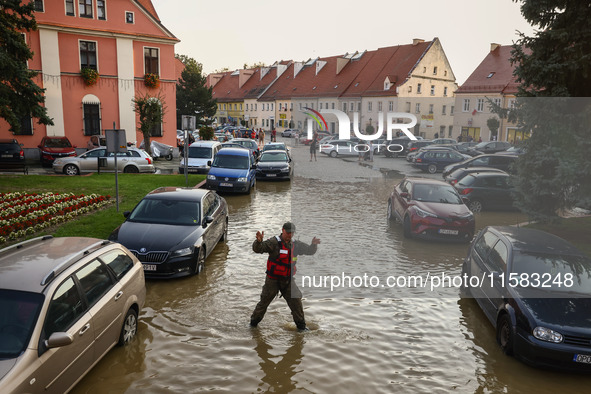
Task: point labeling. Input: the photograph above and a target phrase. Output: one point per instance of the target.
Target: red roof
(147, 4)
(493, 75)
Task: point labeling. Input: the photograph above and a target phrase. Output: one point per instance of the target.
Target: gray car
(134, 160)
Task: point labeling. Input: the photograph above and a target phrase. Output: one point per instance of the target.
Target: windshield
(199, 152)
(436, 193)
(18, 315)
(166, 212)
(273, 156)
(274, 147)
(249, 144)
(230, 161)
(57, 143)
(553, 273)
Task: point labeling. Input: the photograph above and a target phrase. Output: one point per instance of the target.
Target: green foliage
(369, 129)
(554, 174)
(192, 95)
(89, 75)
(206, 133)
(20, 96)
(151, 111)
(493, 125)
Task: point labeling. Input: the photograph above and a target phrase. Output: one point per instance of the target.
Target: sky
(231, 33)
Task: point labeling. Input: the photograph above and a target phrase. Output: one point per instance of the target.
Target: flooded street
(367, 337)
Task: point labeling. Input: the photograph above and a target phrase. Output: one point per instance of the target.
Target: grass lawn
(575, 230)
(99, 224)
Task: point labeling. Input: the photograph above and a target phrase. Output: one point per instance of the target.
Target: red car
(431, 209)
(50, 148)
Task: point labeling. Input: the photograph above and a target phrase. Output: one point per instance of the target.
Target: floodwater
(194, 334)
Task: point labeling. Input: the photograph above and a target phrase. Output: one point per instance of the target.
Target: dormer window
(386, 85)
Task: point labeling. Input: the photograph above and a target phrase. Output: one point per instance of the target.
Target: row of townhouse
(414, 78)
(122, 40)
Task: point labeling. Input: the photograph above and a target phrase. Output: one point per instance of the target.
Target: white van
(200, 152)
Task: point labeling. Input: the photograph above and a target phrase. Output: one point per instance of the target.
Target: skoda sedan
(173, 230)
(430, 209)
(536, 292)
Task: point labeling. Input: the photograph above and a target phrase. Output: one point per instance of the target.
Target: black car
(173, 230)
(395, 147)
(487, 191)
(492, 146)
(434, 160)
(535, 290)
(502, 162)
(414, 146)
(455, 176)
(12, 155)
(274, 165)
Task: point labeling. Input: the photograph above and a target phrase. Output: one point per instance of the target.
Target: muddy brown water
(194, 334)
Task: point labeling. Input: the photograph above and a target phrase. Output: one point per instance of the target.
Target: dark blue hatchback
(232, 170)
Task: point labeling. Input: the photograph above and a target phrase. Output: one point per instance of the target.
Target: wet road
(194, 334)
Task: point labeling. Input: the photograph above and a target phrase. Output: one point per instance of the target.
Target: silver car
(134, 160)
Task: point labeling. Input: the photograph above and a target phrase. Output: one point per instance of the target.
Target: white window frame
(466, 105)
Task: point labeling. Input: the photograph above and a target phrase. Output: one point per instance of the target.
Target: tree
(193, 97)
(553, 68)
(493, 125)
(254, 65)
(151, 112)
(20, 96)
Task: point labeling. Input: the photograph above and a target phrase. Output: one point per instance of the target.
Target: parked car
(274, 165)
(11, 154)
(232, 170)
(134, 160)
(250, 144)
(173, 230)
(492, 146)
(200, 156)
(487, 191)
(414, 146)
(50, 148)
(431, 209)
(535, 294)
(291, 133)
(336, 148)
(455, 176)
(514, 150)
(64, 303)
(502, 162)
(395, 147)
(434, 160)
(276, 146)
(321, 135)
(441, 141)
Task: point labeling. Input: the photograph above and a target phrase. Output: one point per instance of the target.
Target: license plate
(271, 174)
(149, 267)
(448, 232)
(6, 155)
(582, 358)
(226, 184)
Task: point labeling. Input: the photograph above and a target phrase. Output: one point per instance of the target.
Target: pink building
(123, 40)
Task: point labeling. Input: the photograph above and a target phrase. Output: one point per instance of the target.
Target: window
(451, 111)
(432, 90)
(319, 107)
(480, 105)
(151, 61)
(332, 106)
(85, 8)
(65, 308)
(490, 75)
(26, 126)
(418, 108)
(156, 130)
(88, 54)
(39, 5)
(435, 70)
(408, 107)
(419, 88)
(379, 106)
(92, 121)
(443, 109)
(430, 108)
(95, 281)
(344, 107)
(497, 101)
(359, 106)
(128, 17)
(441, 131)
(391, 106)
(449, 130)
(466, 107)
(70, 8)
(101, 11)
(369, 106)
(445, 91)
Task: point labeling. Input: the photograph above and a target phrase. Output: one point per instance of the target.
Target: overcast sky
(230, 33)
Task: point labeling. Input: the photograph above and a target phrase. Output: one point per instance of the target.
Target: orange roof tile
(493, 75)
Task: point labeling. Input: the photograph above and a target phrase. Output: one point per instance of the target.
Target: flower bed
(24, 213)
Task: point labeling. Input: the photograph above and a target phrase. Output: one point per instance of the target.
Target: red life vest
(284, 266)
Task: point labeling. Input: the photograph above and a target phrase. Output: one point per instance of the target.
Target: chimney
(494, 46)
(416, 41)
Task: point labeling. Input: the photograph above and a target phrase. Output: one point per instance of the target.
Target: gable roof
(493, 75)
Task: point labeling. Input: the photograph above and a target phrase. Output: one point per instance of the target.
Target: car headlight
(57, 161)
(548, 335)
(211, 177)
(243, 179)
(286, 169)
(468, 216)
(422, 213)
(182, 252)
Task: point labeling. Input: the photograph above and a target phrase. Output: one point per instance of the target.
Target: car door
(493, 286)
(122, 161)
(400, 203)
(61, 366)
(102, 295)
(89, 160)
(210, 235)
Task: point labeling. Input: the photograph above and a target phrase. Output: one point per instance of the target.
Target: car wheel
(432, 168)
(475, 206)
(169, 157)
(129, 328)
(131, 170)
(389, 213)
(333, 154)
(200, 263)
(505, 334)
(406, 227)
(71, 169)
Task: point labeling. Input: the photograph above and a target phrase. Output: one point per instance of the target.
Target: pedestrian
(261, 138)
(313, 146)
(479, 139)
(281, 267)
(370, 144)
(92, 143)
(274, 135)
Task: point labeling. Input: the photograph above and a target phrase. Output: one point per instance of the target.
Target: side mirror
(207, 220)
(209, 163)
(59, 339)
(126, 214)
